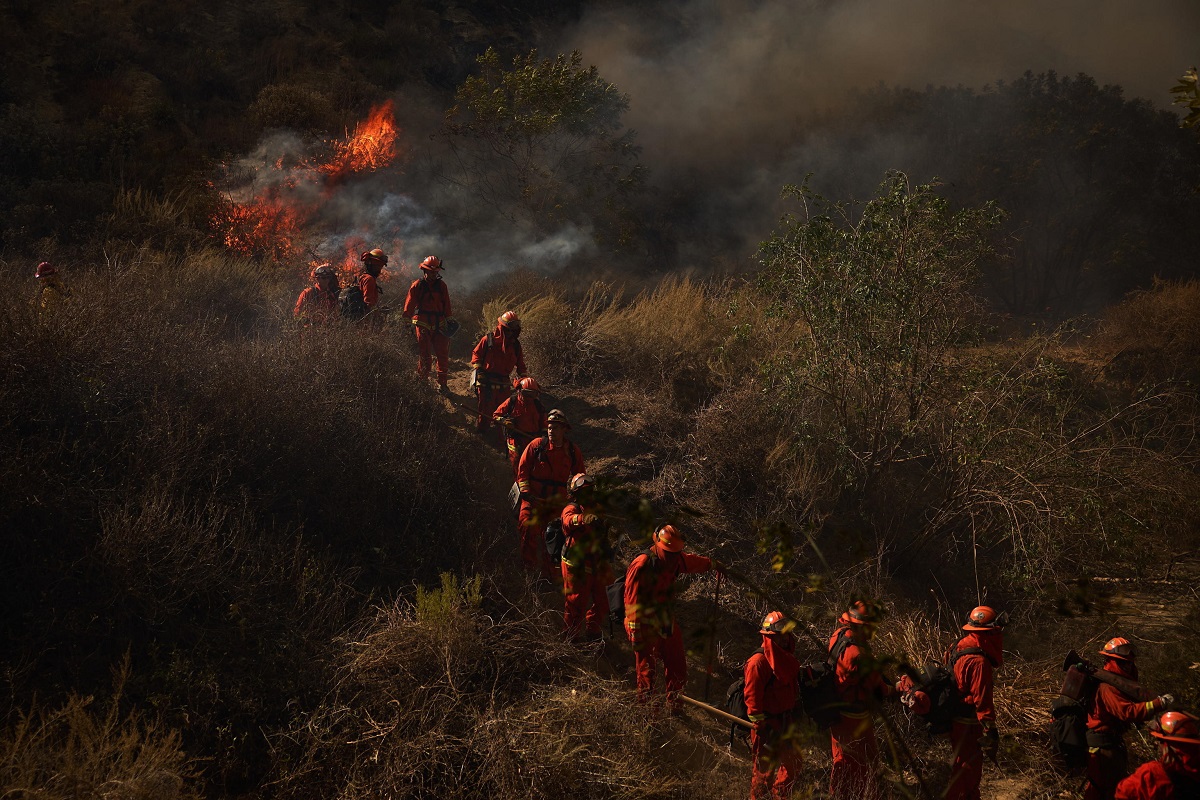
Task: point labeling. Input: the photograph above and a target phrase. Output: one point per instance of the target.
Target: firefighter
(51, 289)
(973, 733)
(586, 563)
(650, 614)
(1176, 773)
(494, 358)
(771, 688)
(373, 262)
(428, 307)
(318, 304)
(522, 417)
(545, 468)
(860, 686)
(1110, 714)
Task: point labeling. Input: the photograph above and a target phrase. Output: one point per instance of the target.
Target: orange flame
(372, 146)
(266, 227)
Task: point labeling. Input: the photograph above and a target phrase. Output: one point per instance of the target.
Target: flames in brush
(271, 224)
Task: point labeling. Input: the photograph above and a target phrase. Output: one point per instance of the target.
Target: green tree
(886, 292)
(543, 143)
(1187, 93)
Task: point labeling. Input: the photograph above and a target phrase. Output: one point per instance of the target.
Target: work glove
(474, 378)
(1164, 702)
(990, 744)
(718, 568)
(588, 519)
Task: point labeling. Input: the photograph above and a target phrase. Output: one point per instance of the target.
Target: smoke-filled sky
(708, 79)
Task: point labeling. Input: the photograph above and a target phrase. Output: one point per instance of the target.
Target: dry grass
(1154, 335)
(83, 750)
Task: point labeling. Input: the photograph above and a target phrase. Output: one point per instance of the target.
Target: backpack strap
(839, 646)
(967, 651)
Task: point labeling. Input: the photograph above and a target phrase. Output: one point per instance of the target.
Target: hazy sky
(708, 78)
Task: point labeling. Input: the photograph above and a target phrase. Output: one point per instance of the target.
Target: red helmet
(509, 320)
(863, 612)
(529, 386)
(985, 618)
(431, 263)
(45, 269)
(669, 539)
(324, 271)
(776, 622)
(1120, 649)
(580, 481)
(374, 255)
(557, 415)
(1177, 726)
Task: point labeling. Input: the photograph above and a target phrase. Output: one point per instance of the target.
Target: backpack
(616, 603)
(1068, 732)
(818, 686)
(351, 304)
(1069, 713)
(556, 537)
(945, 701)
(735, 702)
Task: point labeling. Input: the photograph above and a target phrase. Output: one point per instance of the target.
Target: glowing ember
(372, 146)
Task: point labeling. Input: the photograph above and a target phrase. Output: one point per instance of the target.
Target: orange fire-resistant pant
(855, 759)
(430, 344)
(652, 646)
(585, 598)
(777, 761)
(533, 537)
(966, 773)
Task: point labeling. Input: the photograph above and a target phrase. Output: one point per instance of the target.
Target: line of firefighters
(552, 483)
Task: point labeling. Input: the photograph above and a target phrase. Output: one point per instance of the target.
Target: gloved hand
(1165, 702)
(588, 519)
(990, 743)
(474, 378)
(718, 568)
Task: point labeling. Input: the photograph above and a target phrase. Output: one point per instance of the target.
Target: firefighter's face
(557, 432)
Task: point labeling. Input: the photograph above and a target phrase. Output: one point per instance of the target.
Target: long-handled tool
(745, 723)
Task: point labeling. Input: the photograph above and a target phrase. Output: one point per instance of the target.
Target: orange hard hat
(431, 263)
(985, 618)
(1177, 726)
(44, 269)
(1119, 648)
(375, 255)
(862, 612)
(509, 320)
(324, 271)
(529, 386)
(669, 539)
(776, 622)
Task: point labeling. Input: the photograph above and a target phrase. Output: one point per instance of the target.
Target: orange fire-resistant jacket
(1156, 780)
(855, 685)
(496, 355)
(1113, 712)
(428, 303)
(650, 590)
(315, 306)
(544, 470)
(974, 674)
(370, 290)
(770, 682)
(586, 548)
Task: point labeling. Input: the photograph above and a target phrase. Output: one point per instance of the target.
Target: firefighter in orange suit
(974, 733)
(373, 262)
(318, 304)
(586, 563)
(543, 473)
(771, 686)
(493, 360)
(1175, 775)
(860, 686)
(427, 306)
(650, 613)
(523, 417)
(52, 292)
(1111, 714)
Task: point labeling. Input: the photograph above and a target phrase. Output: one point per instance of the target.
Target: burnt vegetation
(239, 559)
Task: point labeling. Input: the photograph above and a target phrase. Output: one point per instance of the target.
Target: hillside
(248, 557)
